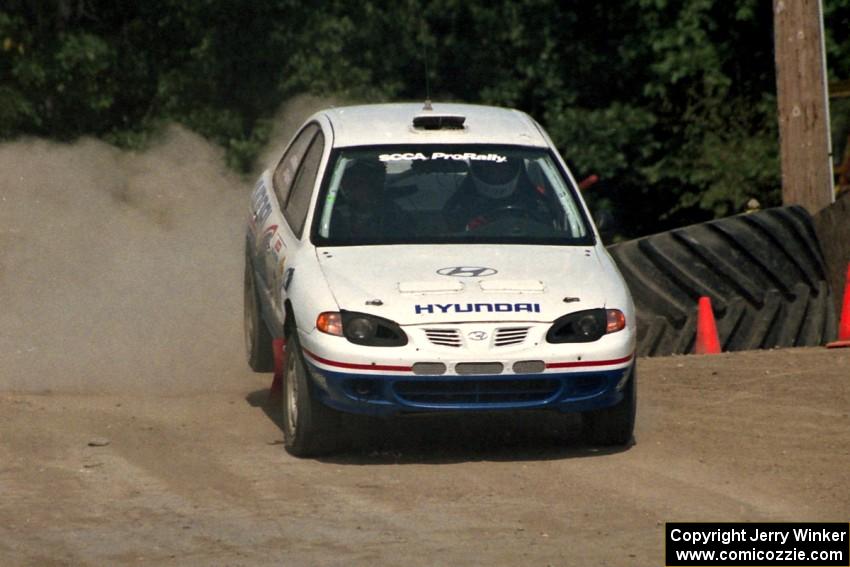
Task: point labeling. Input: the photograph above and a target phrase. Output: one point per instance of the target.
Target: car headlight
(362, 329)
(586, 326)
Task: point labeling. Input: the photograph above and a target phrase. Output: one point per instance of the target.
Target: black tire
(310, 428)
(614, 425)
(258, 340)
(764, 273)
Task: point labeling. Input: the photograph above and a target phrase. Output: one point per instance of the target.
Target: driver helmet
(363, 181)
(495, 180)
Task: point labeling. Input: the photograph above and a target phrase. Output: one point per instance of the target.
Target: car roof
(378, 124)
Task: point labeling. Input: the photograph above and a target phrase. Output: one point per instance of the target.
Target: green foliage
(607, 141)
(836, 15)
(670, 101)
(726, 159)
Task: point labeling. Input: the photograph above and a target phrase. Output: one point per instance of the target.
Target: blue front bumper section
(393, 394)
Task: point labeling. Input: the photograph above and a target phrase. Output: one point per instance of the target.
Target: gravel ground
(202, 478)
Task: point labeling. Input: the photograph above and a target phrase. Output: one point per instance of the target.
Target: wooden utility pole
(803, 107)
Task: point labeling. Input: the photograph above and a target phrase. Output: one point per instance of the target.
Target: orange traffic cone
(279, 352)
(707, 339)
(844, 323)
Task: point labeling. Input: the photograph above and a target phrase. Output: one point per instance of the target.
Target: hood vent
(442, 286)
(429, 121)
(512, 286)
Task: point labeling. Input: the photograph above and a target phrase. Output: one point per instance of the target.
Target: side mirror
(604, 220)
(606, 223)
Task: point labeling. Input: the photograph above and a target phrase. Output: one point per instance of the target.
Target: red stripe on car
(389, 368)
(581, 363)
(352, 366)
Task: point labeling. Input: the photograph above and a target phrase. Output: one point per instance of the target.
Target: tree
(671, 102)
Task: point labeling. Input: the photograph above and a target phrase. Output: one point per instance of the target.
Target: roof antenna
(427, 82)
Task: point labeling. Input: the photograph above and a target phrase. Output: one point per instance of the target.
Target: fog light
(363, 388)
(479, 368)
(529, 366)
(432, 368)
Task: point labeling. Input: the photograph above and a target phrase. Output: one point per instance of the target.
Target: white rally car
(427, 259)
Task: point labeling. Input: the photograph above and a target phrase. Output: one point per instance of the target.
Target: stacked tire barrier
(763, 271)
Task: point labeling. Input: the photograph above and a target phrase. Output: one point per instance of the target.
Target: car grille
(506, 336)
(482, 392)
(444, 337)
(510, 336)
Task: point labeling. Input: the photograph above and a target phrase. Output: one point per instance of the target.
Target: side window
(285, 171)
(299, 199)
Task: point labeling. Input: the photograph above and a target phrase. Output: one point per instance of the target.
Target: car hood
(453, 283)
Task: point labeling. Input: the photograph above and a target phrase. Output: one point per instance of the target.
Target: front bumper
(385, 381)
(388, 394)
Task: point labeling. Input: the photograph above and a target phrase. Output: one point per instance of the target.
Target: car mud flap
(279, 352)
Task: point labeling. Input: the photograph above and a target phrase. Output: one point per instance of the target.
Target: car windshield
(447, 194)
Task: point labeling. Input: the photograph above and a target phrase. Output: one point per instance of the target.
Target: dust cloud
(286, 121)
(123, 270)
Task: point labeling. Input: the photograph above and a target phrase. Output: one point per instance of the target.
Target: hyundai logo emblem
(477, 335)
(466, 271)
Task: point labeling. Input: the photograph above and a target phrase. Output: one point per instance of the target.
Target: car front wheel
(309, 427)
(614, 425)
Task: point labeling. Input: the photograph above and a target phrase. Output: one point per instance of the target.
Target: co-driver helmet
(495, 180)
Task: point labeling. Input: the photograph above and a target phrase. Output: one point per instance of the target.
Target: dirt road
(201, 478)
